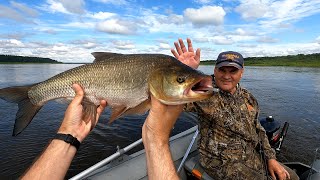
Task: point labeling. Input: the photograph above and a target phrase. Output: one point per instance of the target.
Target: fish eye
(181, 79)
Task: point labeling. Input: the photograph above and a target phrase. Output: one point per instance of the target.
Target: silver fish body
(124, 81)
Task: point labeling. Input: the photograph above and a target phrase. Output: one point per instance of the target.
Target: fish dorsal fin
(123, 110)
(102, 56)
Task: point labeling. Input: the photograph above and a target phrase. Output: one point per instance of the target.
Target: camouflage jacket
(229, 135)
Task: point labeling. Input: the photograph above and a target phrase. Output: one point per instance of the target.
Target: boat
(183, 146)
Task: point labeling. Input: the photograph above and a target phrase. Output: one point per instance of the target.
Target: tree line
(300, 60)
(25, 59)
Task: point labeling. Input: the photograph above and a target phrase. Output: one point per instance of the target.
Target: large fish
(125, 81)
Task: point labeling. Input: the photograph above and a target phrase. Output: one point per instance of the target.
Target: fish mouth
(201, 87)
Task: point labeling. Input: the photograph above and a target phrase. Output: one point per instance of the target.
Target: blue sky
(69, 30)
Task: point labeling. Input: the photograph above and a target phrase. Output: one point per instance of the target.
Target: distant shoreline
(300, 60)
(39, 63)
(10, 59)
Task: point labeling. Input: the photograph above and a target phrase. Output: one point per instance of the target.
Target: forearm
(53, 163)
(158, 155)
(269, 152)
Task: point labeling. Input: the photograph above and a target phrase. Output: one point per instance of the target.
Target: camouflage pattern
(229, 136)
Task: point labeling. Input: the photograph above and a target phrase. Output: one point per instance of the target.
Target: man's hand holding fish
(74, 122)
(56, 159)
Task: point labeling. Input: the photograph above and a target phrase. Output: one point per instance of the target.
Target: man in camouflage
(231, 136)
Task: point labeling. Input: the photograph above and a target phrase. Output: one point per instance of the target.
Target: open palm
(186, 56)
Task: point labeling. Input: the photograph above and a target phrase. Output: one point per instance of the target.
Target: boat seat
(193, 167)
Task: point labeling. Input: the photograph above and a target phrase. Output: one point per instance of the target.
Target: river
(289, 94)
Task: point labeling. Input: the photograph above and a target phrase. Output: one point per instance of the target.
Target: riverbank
(10, 59)
(300, 60)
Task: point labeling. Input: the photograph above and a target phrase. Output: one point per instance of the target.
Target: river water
(290, 94)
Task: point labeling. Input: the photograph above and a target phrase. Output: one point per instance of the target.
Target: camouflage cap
(230, 58)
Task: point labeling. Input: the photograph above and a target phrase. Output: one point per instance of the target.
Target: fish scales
(99, 82)
(124, 81)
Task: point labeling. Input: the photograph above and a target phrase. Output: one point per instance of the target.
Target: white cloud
(50, 31)
(114, 26)
(263, 50)
(73, 6)
(164, 46)
(60, 48)
(9, 13)
(288, 11)
(54, 6)
(16, 35)
(200, 39)
(101, 15)
(203, 1)
(243, 32)
(153, 23)
(11, 43)
(318, 40)
(253, 9)
(57, 51)
(247, 45)
(211, 28)
(64, 6)
(123, 44)
(115, 2)
(88, 44)
(284, 25)
(171, 19)
(83, 25)
(206, 15)
(221, 40)
(25, 10)
(240, 31)
(266, 39)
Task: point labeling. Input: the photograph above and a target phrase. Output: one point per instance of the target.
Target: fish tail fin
(26, 110)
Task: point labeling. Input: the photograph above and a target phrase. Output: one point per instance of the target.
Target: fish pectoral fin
(123, 110)
(89, 112)
(117, 112)
(139, 109)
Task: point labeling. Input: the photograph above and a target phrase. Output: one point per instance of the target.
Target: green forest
(8, 59)
(300, 60)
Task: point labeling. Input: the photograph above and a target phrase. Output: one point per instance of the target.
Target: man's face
(227, 78)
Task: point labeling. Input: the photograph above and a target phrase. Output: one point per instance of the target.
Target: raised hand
(186, 56)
